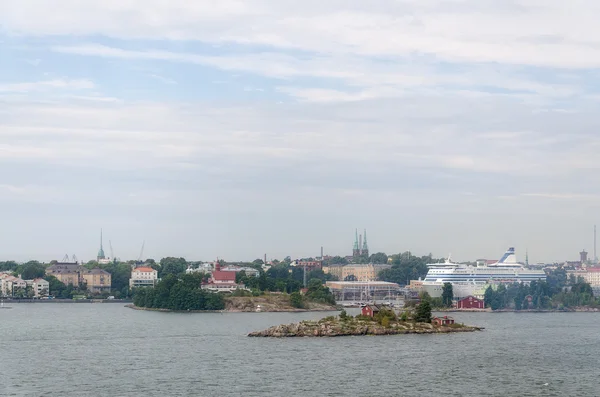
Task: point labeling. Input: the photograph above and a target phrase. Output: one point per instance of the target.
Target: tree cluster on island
(182, 292)
(557, 292)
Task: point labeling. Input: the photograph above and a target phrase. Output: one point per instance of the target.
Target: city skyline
(238, 129)
(523, 256)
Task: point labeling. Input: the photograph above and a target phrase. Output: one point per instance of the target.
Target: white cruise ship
(473, 280)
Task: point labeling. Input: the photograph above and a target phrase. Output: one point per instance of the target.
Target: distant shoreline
(66, 300)
(151, 309)
(488, 310)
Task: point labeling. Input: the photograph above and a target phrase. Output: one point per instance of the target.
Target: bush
(241, 293)
(343, 315)
(404, 316)
(296, 300)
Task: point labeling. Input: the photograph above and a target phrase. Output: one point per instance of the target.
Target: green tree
(447, 295)
(317, 292)
(423, 312)
(488, 296)
(378, 258)
(172, 265)
(406, 267)
(336, 260)
(321, 275)
(32, 270)
(258, 262)
(175, 293)
(296, 300)
(8, 266)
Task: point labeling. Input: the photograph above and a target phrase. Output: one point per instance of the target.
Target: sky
(235, 129)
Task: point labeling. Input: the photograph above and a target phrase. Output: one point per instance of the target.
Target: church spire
(356, 247)
(365, 247)
(101, 251)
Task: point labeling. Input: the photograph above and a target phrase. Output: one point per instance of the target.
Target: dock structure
(364, 290)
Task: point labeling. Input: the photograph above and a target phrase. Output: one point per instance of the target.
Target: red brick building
(370, 310)
(310, 265)
(470, 302)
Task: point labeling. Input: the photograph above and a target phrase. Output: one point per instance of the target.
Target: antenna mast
(595, 255)
(142, 251)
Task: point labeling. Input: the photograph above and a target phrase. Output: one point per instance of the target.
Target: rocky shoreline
(336, 327)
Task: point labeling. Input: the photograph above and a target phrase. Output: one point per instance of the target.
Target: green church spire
(101, 251)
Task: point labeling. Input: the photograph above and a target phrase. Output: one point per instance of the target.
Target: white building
(40, 287)
(143, 277)
(250, 271)
(8, 284)
(202, 268)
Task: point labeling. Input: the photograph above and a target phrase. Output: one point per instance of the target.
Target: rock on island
(355, 326)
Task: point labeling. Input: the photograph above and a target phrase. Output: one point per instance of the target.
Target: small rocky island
(384, 322)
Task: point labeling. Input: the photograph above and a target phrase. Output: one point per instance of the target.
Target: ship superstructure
(473, 280)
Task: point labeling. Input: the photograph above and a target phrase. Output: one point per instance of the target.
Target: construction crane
(141, 252)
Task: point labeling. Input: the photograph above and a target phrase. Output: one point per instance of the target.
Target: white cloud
(381, 80)
(400, 107)
(553, 34)
(47, 85)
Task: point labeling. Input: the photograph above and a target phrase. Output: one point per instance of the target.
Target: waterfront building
(222, 281)
(363, 290)
(8, 284)
(366, 272)
(96, 280)
(445, 320)
(143, 277)
(589, 274)
(470, 302)
(66, 272)
(40, 287)
(370, 310)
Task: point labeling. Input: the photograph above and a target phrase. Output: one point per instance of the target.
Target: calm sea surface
(109, 350)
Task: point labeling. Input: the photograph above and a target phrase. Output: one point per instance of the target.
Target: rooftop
(144, 269)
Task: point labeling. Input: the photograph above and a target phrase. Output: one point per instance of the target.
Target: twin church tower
(361, 249)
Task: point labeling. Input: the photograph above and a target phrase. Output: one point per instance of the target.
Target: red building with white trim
(222, 281)
(470, 302)
(370, 310)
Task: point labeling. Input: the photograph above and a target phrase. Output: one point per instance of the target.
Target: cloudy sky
(238, 128)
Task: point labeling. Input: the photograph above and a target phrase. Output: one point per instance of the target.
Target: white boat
(473, 280)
